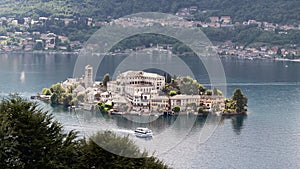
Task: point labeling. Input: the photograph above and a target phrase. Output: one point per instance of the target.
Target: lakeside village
(38, 34)
(142, 93)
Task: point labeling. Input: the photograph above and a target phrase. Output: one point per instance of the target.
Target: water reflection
(183, 124)
(237, 122)
(157, 124)
(88, 123)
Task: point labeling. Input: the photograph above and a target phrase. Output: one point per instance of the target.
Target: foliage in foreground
(30, 138)
(97, 156)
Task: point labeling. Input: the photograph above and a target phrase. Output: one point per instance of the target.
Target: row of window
(140, 82)
(137, 78)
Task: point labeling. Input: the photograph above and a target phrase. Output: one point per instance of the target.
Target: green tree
(230, 105)
(30, 138)
(69, 48)
(97, 156)
(46, 91)
(203, 111)
(74, 102)
(241, 100)
(176, 109)
(38, 46)
(278, 52)
(188, 85)
(172, 93)
(201, 89)
(54, 99)
(70, 88)
(105, 79)
(209, 92)
(80, 98)
(67, 98)
(58, 93)
(105, 107)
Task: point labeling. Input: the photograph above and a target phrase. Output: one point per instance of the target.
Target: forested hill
(276, 11)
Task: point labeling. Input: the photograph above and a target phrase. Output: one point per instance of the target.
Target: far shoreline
(39, 52)
(78, 52)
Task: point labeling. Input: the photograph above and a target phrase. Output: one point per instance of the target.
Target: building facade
(185, 101)
(131, 82)
(158, 103)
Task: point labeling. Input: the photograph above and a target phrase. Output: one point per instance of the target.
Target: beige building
(185, 101)
(131, 82)
(159, 103)
(132, 90)
(216, 102)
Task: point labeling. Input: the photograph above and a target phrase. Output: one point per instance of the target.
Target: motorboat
(143, 132)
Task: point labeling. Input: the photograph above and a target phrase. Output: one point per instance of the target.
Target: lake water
(269, 137)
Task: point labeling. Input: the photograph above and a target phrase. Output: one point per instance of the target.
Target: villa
(135, 83)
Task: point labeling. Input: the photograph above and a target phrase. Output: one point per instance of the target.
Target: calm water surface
(269, 137)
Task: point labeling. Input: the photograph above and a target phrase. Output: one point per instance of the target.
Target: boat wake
(258, 84)
(123, 131)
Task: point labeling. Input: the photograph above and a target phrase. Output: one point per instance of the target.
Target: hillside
(276, 11)
(68, 22)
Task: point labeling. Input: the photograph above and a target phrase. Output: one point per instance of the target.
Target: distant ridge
(276, 11)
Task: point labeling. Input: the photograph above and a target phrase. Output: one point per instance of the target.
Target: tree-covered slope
(277, 11)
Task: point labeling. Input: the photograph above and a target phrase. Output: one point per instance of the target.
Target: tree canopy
(184, 85)
(106, 79)
(30, 138)
(240, 99)
(176, 109)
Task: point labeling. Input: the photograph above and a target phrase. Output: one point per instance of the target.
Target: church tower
(88, 76)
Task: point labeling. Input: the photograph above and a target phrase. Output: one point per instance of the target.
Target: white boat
(143, 132)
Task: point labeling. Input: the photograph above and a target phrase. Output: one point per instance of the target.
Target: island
(143, 93)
